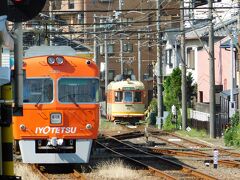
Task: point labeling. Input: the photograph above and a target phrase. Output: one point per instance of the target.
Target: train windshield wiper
(72, 99)
(39, 99)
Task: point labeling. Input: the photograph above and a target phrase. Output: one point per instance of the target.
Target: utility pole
(95, 46)
(139, 58)
(121, 41)
(184, 83)
(238, 57)
(51, 21)
(212, 100)
(160, 72)
(18, 62)
(232, 104)
(106, 60)
(1, 162)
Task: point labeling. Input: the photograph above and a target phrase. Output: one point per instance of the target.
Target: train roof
(126, 85)
(49, 50)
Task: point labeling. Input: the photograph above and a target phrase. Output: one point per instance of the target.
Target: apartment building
(134, 22)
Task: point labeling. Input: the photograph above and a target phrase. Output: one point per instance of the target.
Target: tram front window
(38, 90)
(138, 96)
(118, 96)
(128, 97)
(78, 90)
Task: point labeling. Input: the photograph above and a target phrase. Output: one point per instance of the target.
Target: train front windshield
(38, 90)
(78, 90)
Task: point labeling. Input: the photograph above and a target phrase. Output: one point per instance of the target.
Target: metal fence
(200, 120)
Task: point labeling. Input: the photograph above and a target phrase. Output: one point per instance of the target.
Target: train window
(138, 96)
(38, 90)
(128, 96)
(118, 96)
(78, 90)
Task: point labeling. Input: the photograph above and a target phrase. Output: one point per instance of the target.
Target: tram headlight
(56, 118)
(51, 60)
(59, 60)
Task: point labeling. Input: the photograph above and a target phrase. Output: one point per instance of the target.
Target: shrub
(168, 125)
(235, 120)
(232, 134)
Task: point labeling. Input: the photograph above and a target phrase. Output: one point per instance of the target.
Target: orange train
(125, 101)
(60, 110)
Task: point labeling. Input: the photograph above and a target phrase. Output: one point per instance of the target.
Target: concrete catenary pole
(106, 61)
(51, 21)
(139, 58)
(238, 58)
(183, 70)
(121, 40)
(232, 105)
(95, 41)
(18, 72)
(0, 126)
(160, 71)
(212, 100)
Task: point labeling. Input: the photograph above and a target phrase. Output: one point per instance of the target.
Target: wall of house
(222, 70)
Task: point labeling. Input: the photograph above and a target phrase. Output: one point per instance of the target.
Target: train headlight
(88, 126)
(56, 118)
(51, 60)
(59, 60)
(23, 127)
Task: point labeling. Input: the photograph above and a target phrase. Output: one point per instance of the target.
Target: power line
(139, 10)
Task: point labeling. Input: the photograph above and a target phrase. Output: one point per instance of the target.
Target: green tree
(172, 89)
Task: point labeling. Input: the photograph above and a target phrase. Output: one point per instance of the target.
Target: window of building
(105, 1)
(127, 21)
(70, 4)
(169, 58)
(110, 49)
(200, 96)
(150, 70)
(111, 74)
(80, 18)
(128, 47)
(55, 4)
(191, 58)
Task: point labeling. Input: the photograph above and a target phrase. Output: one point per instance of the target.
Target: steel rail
(151, 169)
(79, 175)
(36, 169)
(204, 154)
(178, 153)
(169, 162)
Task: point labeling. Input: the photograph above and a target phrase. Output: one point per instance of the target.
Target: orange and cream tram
(60, 109)
(125, 101)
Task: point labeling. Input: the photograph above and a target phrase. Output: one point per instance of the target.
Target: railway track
(226, 157)
(50, 172)
(157, 165)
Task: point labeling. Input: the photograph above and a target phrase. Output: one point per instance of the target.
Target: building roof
(221, 29)
(227, 43)
(225, 94)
